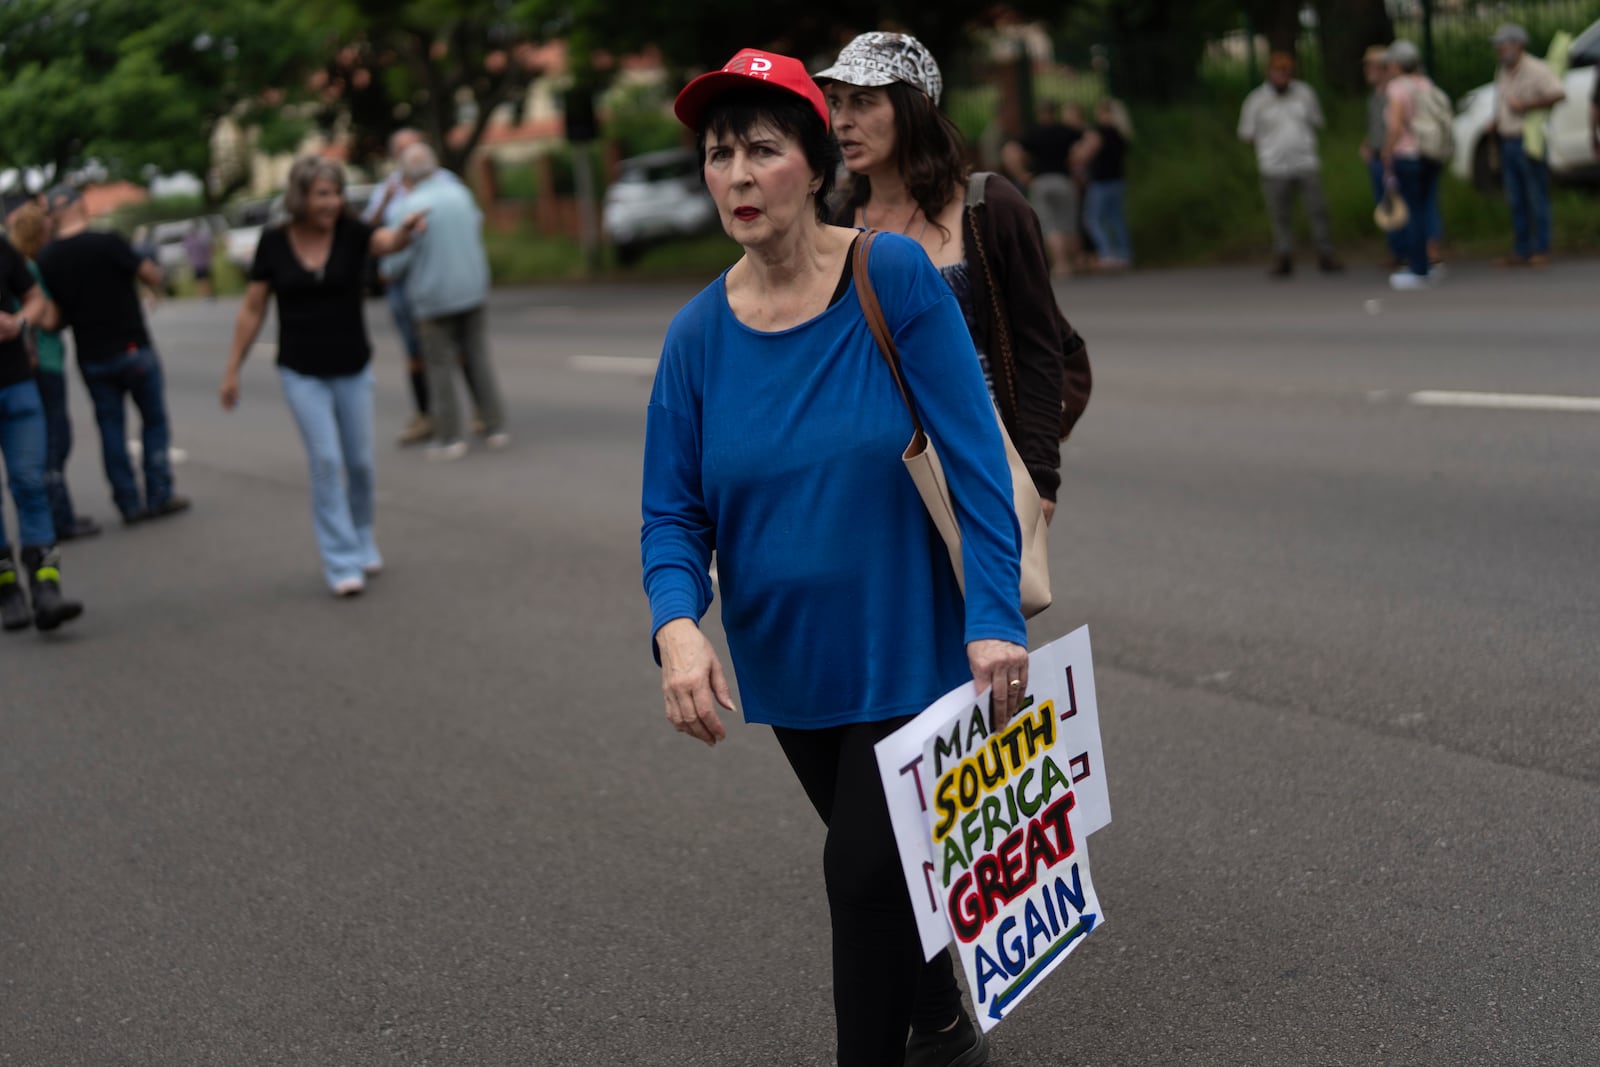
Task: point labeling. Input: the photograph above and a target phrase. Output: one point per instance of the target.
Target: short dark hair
(739, 111)
(929, 153)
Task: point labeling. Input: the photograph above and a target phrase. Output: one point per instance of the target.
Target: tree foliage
(417, 62)
(136, 84)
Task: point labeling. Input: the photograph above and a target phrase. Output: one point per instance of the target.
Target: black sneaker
(14, 611)
(170, 506)
(81, 527)
(1283, 267)
(963, 1045)
(50, 608)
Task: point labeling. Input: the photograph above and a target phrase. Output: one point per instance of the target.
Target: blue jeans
(1104, 219)
(1528, 191)
(1419, 188)
(137, 375)
(335, 420)
(58, 435)
(22, 439)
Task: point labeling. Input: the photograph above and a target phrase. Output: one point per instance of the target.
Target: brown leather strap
(872, 311)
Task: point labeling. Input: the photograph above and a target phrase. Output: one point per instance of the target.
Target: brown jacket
(1039, 363)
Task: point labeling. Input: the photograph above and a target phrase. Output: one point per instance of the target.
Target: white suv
(656, 196)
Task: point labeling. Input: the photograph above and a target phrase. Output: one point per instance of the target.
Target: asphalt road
(1346, 657)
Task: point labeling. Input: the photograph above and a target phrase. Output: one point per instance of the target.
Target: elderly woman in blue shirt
(774, 438)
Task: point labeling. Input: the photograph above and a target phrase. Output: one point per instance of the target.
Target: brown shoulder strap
(872, 311)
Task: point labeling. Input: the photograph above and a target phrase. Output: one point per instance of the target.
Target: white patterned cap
(877, 59)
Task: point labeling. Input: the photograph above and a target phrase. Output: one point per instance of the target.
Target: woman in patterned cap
(908, 175)
(774, 437)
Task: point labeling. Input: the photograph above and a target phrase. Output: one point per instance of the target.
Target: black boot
(14, 611)
(50, 608)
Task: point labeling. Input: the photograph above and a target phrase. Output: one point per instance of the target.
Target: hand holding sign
(992, 824)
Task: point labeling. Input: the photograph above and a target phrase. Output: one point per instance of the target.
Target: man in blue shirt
(446, 278)
(388, 208)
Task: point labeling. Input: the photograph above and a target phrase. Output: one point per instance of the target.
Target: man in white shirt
(1281, 119)
(1522, 84)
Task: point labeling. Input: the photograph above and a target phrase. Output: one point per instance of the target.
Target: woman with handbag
(908, 175)
(774, 436)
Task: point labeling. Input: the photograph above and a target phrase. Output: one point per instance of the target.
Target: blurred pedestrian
(774, 435)
(197, 247)
(1280, 119)
(1104, 151)
(92, 276)
(908, 175)
(30, 230)
(1404, 164)
(387, 208)
(1375, 67)
(315, 264)
(1524, 85)
(446, 276)
(1039, 160)
(24, 445)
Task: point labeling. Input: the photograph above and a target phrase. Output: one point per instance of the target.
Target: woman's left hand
(1002, 668)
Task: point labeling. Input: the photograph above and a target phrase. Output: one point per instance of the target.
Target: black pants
(881, 986)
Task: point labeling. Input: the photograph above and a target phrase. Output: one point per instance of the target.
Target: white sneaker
(347, 587)
(1404, 279)
(372, 568)
(498, 440)
(446, 453)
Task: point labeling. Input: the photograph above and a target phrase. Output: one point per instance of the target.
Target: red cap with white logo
(750, 65)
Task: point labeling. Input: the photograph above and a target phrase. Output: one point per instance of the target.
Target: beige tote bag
(926, 472)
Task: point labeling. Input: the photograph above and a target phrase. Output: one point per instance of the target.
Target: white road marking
(1440, 398)
(642, 365)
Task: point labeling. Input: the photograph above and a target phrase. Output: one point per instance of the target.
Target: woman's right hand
(230, 391)
(692, 681)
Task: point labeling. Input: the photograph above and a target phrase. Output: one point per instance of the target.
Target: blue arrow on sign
(1015, 990)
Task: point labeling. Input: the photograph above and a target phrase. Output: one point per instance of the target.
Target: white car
(656, 196)
(1572, 155)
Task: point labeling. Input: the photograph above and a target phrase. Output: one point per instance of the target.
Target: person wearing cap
(1280, 118)
(92, 276)
(774, 436)
(1523, 84)
(24, 441)
(908, 174)
(1415, 175)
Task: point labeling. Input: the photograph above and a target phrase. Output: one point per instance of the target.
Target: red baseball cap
(750, 64)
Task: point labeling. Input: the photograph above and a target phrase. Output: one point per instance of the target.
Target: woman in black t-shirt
(1103, 150)
(315, 264)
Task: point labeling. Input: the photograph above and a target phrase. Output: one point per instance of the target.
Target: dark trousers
(881, 986)
(134, 375)
(58, 431)
(1527, 181)
(1419, 185)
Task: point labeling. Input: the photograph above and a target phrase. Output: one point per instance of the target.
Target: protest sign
(992, 827)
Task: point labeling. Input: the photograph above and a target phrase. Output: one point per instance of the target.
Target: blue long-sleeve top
(781, 452)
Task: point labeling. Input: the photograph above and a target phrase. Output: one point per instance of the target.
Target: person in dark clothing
(315, 264)
(1104, 151)
(1041, 161)
(23, 443)
(907, 174)
(91, 276)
